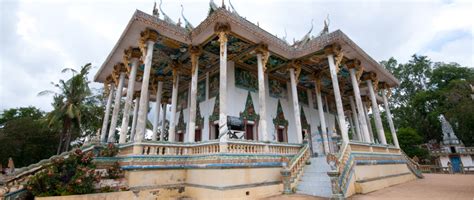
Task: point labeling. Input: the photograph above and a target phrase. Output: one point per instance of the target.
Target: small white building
(453, 152)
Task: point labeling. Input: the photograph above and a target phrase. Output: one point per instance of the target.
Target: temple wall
(374, 177)
(236, 98)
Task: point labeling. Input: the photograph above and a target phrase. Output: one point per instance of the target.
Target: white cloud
(39, 38)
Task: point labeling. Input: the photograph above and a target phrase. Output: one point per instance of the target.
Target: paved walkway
(432, 187)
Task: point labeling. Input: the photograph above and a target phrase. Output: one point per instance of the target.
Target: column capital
(195, 50)
(336, 50)
(386, 87)
(372, 76)
(262, 49)
(175, 72)
(354, 63)
(222, 27)
(108, 81)
(332, 49)
(130, 53)
(296, 65)
(118, 69)
(147, 35)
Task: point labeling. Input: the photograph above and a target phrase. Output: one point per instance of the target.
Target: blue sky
(39, 38)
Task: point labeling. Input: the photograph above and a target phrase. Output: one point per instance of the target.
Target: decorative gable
(249, 111)
(199, 118)
(280, 120)
(215, 112)
(181, 125)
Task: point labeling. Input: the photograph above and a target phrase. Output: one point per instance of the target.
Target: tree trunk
(68, 135)
(61, 137)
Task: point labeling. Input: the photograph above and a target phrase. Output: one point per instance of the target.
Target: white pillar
(193, 95)
(351, 124)
(134, 119)
(163, 122)
(157, 110)
(115, 112)
(337, 95)
(128, 101)
(296, 106)
(261, 97)
(390, 121)
(368, 123)
(322, 119)
(376, 113)
(105, 123)
(360, 108)
(223, 87)
(174, 101)
(143, 108)
(355, 119)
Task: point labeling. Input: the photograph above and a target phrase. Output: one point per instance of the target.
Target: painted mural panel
(303, 96)
(213, 85)
(246, 80)
(182, 99)
(201, 90)
(277, 89)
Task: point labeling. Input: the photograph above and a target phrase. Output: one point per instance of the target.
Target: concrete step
(315, 180)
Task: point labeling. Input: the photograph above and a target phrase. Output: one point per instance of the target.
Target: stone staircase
(315, 180)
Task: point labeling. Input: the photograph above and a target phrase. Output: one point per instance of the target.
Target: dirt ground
(432, 187)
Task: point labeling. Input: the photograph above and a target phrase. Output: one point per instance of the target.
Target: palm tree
(69, 104)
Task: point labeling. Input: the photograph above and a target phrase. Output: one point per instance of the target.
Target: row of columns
(149, 38)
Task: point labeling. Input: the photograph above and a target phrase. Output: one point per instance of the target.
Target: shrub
(110, 151)
(66, 176)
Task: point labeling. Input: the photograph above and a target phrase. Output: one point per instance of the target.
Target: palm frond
(68, 69)
(46, 92)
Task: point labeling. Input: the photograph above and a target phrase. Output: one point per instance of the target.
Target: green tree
(428, 90)
(69, 105)
(409, 141)
(25, 137)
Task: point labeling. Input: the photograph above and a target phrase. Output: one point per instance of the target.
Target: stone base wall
(369, 178)
(243, 183)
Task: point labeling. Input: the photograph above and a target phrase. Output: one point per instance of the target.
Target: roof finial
(155, 10)
(284, 37)
(179, 22)
(326, 26)
(187, 24)
(223, 4)
(166, 18)
(212, 7)
(232, 7)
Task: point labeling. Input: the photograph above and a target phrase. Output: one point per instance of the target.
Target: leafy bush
(110, 151)
(72, 175)
(114, 171)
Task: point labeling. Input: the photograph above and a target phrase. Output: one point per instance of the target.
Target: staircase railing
(292, 171)
(342, 166)
(412, 165)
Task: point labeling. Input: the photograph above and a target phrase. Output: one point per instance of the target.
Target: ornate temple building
(242, 114)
